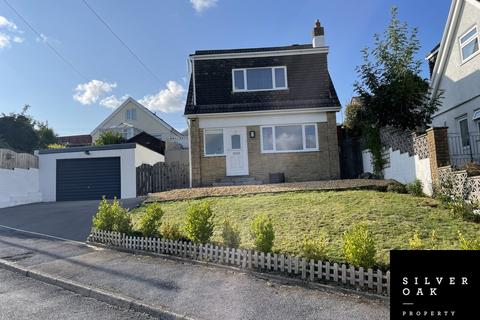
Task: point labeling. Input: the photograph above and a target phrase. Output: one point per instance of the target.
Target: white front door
(236, 151)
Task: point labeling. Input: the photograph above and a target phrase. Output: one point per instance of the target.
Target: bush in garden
(171, 231)
(150, 222)
(466, 210)
(468, 244)
(199, 222)
(359, 246)
(415, 188)
(112, 217)
(415, 242)
(397, 187)
(230, 235)
(262, 233)
(315, 248)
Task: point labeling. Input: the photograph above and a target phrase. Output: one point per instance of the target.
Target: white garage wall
(48, 169)
(19, 186)
(403, 168)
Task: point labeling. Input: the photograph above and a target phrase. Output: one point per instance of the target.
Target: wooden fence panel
(10, 159)
(161, 177)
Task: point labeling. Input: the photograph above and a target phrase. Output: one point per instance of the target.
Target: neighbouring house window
(289, 138)
(258, 79)
(469, 43)
(127, 133)
(464, 134)
(476, 118)
(131, 114)
(214, 142)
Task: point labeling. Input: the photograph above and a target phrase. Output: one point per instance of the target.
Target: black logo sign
(434, 284)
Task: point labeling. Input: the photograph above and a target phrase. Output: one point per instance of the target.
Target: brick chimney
(318, 35)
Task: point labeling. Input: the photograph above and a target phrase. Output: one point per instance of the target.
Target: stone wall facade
(297, 166)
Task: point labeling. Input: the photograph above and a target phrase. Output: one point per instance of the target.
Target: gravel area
(194, 193)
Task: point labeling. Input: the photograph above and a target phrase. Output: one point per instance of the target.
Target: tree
(46, 135)
(17, 130)
(392, 92)
(109, 137)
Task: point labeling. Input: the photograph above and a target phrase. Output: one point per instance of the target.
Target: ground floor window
(289, 138)
(214, 142)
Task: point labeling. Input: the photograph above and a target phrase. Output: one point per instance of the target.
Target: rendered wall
(19, 186)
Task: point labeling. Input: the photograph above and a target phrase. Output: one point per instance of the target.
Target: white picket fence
(374, 281)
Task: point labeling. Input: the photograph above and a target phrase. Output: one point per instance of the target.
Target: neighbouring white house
(132, 118)
(455, 68)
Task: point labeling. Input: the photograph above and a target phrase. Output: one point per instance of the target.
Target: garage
(88, 179)
(89, 173)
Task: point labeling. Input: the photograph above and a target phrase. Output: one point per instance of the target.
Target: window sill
(292, 151)
(259, 90)
(213, 155)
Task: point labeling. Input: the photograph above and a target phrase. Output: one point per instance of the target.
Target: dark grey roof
(309, 85)
(243, 50)
(89, 148)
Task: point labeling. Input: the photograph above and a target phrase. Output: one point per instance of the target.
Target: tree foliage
(46, 135)
(109, 137)
(391, 90)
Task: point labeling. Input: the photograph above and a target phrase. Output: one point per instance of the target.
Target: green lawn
(392, 217)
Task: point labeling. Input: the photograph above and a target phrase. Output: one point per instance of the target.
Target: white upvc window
(213, 142)
(131, 114)
(289, 138)
(259, 79)
(469, 44)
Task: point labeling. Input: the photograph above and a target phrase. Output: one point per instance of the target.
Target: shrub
(109, 137)
(397, 187)
(230, 235)
(415, 242)
(171, 231)
(359, 246)
(262, 233)
(315, 248)
(468, 244)
(466, 210)
(112, 217)
(55, 146)
(199, 222)
(415, 188)
(150, 222)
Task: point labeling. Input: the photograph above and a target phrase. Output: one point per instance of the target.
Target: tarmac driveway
(70, 219)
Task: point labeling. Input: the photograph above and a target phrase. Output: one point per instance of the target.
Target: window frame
(459, 120)
(205, 143)
(467, 42)
(274, 86)
(132, 112)
(304, 138)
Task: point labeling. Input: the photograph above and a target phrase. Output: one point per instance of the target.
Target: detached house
(259, 113)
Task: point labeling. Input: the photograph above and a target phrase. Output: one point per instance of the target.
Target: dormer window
(259, 79)
(469, 44)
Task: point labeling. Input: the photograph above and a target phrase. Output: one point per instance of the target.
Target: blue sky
(163, 34)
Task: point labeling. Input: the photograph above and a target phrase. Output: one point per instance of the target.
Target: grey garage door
(88, 179)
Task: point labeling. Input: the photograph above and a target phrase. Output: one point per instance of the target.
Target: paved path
(198, 291)
(324, 185)
(25, 298)
(70, 219)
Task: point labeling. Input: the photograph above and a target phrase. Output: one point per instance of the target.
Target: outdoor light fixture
(252, 134)
(87, 152)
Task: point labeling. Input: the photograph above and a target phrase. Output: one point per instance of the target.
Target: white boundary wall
(403, 168)
(19, 186)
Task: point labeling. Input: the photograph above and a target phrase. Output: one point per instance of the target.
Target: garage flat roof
(90, 148)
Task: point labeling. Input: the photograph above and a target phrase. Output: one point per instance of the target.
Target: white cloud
(170, 99)
(5, 23)
(112, 101)
(8, 33)
(4, 40)
(201, 5)
(90, 92)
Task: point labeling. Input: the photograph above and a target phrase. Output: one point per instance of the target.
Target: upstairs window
(259, 79)
(131, 114)
(469, 44)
